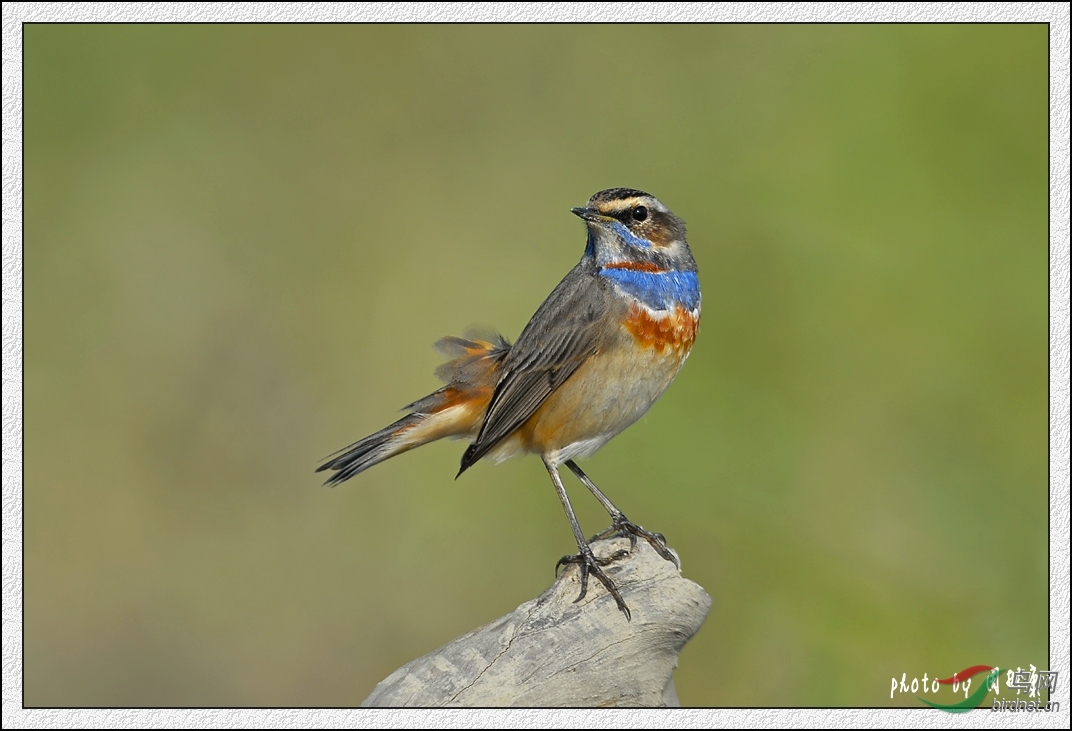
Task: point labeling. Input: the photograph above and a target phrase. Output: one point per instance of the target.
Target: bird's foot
(589, 564)
(622, 526)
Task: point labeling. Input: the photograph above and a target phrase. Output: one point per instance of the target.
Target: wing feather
(565, 330)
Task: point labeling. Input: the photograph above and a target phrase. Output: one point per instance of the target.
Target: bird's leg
(619, 523)
(585, 558)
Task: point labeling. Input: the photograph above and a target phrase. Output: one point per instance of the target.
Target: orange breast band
(675, 330)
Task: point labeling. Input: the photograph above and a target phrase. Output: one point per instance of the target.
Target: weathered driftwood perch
(552, 652)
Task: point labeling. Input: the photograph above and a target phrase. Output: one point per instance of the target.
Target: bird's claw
(590, 564)
(622, 526)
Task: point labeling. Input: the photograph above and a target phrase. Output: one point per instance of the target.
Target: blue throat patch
(629, 237)
(623, 233)
(658, 290)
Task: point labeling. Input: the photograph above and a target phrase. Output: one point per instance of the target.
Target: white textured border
(1059, 334)
(1057, 14)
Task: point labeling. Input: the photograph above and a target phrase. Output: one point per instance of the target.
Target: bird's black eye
(640, 213)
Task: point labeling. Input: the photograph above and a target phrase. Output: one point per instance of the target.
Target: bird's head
(627, 225)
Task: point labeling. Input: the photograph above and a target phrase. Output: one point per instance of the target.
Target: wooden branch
(552, 652)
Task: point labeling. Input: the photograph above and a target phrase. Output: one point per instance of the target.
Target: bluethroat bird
(593, 359)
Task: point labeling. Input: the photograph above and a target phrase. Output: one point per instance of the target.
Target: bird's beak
(591, 214)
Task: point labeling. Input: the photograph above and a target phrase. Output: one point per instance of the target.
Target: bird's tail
(456, 410)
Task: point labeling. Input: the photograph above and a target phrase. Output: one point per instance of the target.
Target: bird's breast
(662, 306)
(671, 331)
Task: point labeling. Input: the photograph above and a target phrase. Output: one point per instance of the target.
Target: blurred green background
(241, 242)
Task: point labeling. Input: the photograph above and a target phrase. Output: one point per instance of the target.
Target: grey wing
(565, 330)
